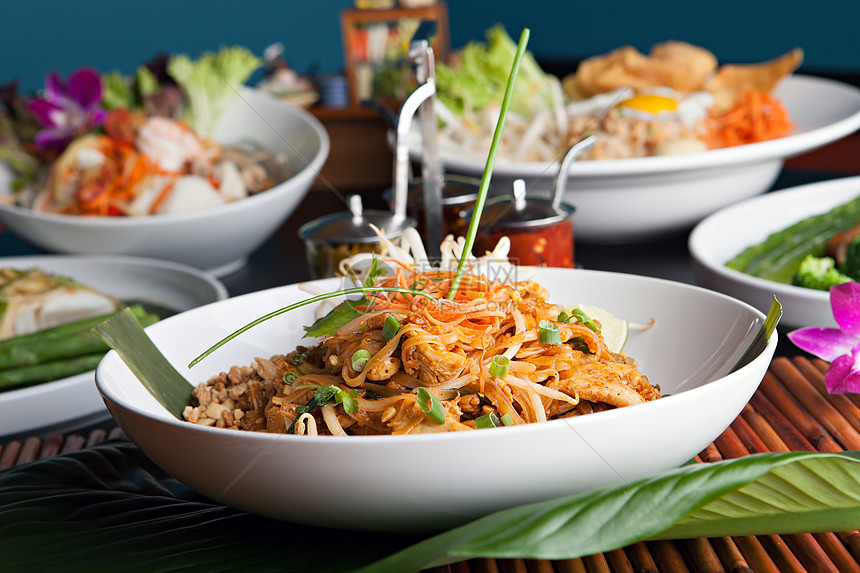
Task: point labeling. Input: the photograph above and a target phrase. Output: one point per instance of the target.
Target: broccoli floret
(818, 273)
(851, 266)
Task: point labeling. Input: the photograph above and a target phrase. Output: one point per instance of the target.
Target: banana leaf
(108, 508)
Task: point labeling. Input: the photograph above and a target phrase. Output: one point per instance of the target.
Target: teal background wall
(38, 36)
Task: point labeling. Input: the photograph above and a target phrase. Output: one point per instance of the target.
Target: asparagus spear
(12, 378)
(82, 325)
(57, 347)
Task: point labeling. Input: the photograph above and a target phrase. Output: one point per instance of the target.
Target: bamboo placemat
(790, 411)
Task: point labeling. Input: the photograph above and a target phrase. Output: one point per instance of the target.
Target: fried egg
(666, 105)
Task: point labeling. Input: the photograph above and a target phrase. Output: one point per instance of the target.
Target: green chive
(488, 168)
(564, 317)
(307, 301)
(487, 421)
(360, 358)
(549, 333)
(507, 420)
(390, 328)
(499, 366)
(430, 405)
(290, 377)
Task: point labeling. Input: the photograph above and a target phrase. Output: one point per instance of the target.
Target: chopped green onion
(584, 319)
(507, 420)
(430, 405)
(360, 358)
(390, 328)
(487, 421)
(298, 358)
(549, 333)
(499, 366)
(564, 317)
(290, 377)
(580, 315)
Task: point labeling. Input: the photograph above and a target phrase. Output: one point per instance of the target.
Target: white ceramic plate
(724, 234)
(623, 200)
(430, 481)
(219, 239)
(74, 401)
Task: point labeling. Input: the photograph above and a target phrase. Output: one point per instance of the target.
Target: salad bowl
(625, 200)
(430, 481)
(218, 239)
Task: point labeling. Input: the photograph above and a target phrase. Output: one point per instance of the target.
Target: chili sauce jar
(540, 229)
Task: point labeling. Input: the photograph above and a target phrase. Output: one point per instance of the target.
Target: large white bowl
(623, 200)
(74, 402)
(727, 232)
(219, 239)
(432, 481)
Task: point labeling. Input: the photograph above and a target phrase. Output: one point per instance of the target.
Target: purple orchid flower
(839, 346)
(68, 108)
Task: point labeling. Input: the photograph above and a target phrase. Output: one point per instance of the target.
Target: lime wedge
(613, 329)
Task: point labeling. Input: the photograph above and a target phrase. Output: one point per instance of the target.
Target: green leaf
(344, 313)
(755, 495)
(123, 333)
(109, 508)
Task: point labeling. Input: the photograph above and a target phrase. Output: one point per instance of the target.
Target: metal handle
(570, 155)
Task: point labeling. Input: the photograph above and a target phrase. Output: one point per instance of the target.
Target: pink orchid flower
(839, 346)
(68, 108)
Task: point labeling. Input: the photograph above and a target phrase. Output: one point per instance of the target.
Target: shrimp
(170, 144)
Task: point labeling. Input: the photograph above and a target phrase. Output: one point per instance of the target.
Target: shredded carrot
(756, 116)
(165, 191)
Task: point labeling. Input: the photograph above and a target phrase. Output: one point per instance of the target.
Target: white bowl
(726, 233)
(219, 239)
(623, 200)
(74, 402)
(431, 481)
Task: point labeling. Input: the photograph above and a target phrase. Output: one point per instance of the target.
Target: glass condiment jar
(541, 233)
(332, 238)
(459, 194)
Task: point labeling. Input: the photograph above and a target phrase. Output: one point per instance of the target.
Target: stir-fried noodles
(497, 354)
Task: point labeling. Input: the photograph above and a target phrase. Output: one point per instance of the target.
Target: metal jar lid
(456, 190)
(353, 226)
(518, 211)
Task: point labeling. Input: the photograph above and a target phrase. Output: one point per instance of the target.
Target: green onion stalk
(488, 168)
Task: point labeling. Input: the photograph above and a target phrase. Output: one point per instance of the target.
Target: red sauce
(547, 245)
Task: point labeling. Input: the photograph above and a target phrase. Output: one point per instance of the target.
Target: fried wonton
(677, 65)
(761, 77)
